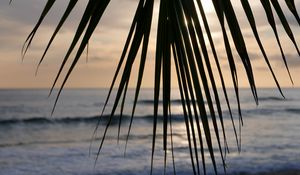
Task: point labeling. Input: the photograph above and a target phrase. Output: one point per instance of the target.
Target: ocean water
(35, 143)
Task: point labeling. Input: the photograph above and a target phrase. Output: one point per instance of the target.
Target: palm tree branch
(179, 37)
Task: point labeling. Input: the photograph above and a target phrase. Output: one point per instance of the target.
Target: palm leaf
(285, 24)
(180, 37)
(70, 7)
(30, 37)
(251, 20)
(292, 7)
(267, 6)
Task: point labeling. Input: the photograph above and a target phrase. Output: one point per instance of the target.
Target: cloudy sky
(17, 20)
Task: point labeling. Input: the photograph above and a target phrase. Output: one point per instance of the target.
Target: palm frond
(180, 40)
(292, 7)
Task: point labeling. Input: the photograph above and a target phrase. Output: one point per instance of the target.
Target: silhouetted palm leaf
(179, 37)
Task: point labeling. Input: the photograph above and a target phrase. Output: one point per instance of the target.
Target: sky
(105, 47)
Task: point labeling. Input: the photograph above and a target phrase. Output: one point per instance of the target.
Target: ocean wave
(272, 99)
(40, 120)
(44, 142)
(144, 118)
(160, 102)
(293, 110)
(123, 137)
(271, 111)
(92, 119)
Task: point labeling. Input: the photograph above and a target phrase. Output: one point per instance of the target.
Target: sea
(33, 141)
